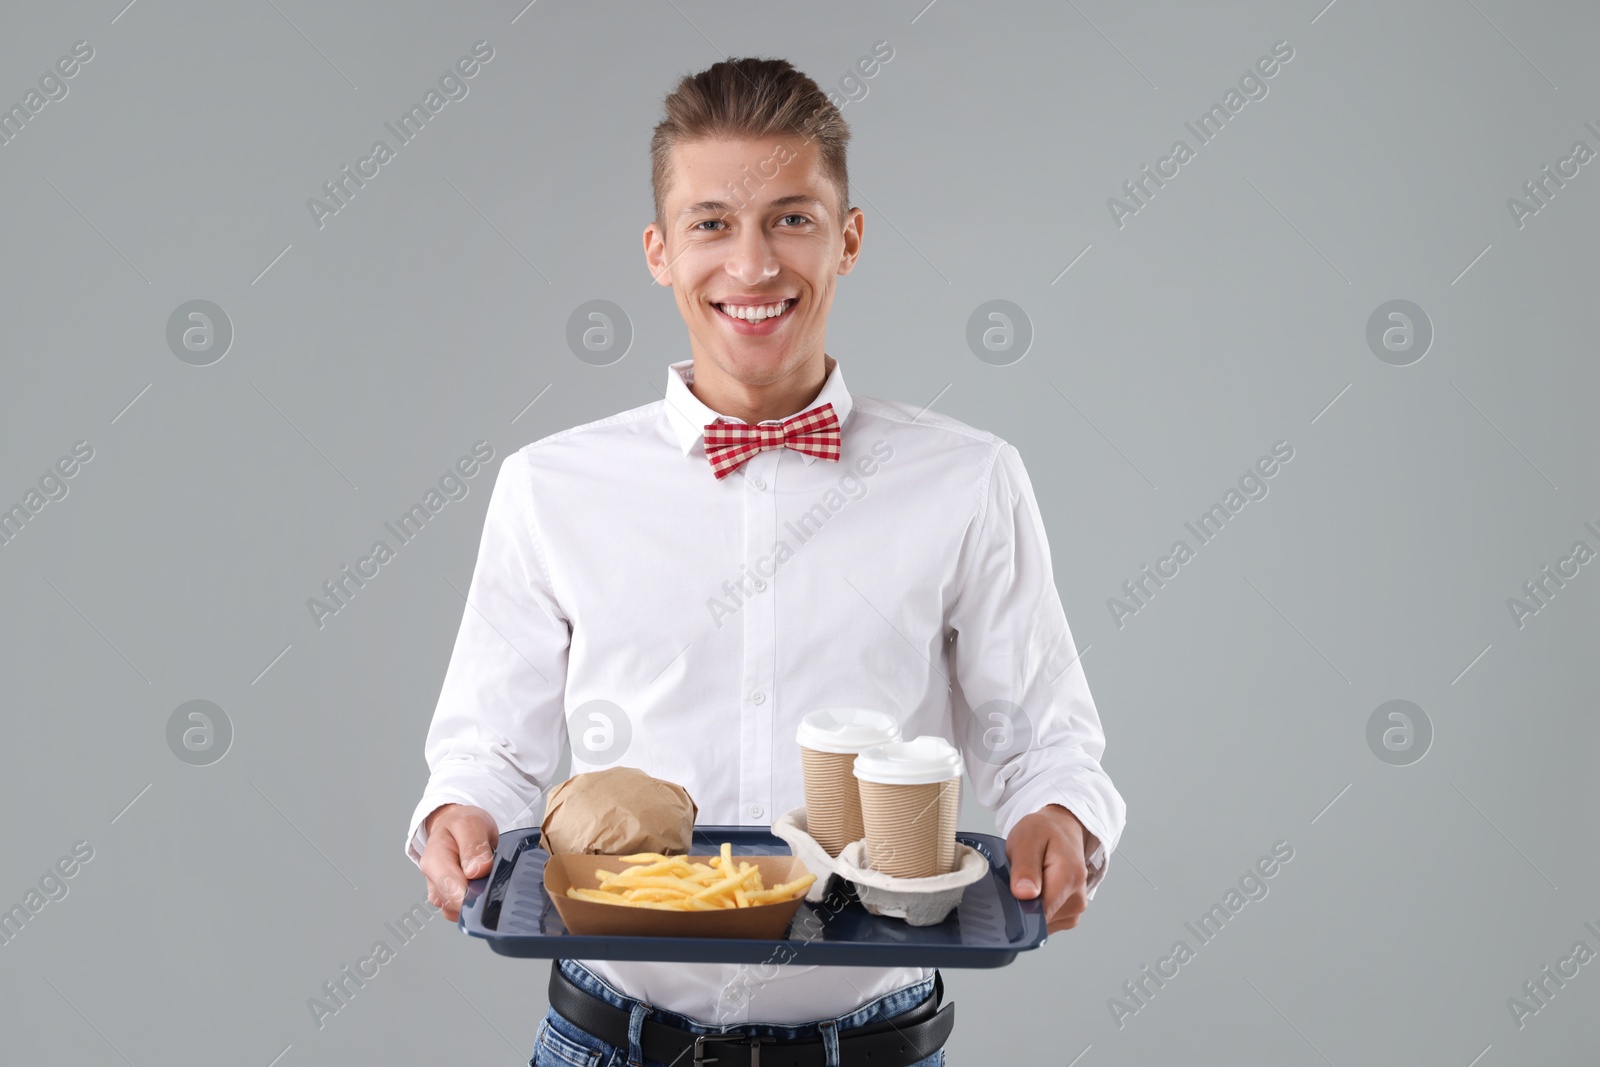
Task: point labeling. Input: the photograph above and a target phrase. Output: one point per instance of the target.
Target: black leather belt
(896, 1042)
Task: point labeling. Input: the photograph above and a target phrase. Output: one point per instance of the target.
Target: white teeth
(754, 314)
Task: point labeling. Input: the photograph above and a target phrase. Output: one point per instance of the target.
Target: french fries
(680, 883)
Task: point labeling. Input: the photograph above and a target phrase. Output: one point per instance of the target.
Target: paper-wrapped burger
(616, 812)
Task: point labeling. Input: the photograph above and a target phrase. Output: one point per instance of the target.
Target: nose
(752, 260)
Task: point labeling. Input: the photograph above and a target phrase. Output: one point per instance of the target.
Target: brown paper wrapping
(618, 811)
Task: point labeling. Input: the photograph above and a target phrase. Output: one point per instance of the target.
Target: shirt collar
(689, 416)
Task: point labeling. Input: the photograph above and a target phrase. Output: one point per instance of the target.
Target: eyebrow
(720, 206)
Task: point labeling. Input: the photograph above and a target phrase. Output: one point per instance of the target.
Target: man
(702, 571)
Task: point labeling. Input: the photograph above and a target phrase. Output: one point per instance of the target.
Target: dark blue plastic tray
(511, 910)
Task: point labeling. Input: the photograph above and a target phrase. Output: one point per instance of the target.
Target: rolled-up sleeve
(499, 728)
(1027, 725)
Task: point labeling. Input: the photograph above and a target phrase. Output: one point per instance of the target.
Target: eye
(702, 222)
(803, 219)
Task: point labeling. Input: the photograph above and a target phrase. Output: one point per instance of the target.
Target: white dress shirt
(912, 576)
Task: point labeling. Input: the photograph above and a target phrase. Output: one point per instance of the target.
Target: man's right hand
(461, 841)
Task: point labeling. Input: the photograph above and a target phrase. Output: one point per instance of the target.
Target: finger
(1066, 916)
(464, 841)
(476, 856)
(450, 912)
(474, 840)
(1063, 881)
(1025, 853)
(1064, 876)
(440, 855)
(441, 863)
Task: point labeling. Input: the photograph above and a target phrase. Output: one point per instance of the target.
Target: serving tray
(512, 912)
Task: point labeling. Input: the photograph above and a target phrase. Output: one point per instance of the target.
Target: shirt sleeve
(499, 729)
(1027, 726)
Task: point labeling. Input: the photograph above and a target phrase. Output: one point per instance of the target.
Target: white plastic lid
(846, 729)
(927, 759)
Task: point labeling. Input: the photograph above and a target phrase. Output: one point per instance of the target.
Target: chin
(757, 368)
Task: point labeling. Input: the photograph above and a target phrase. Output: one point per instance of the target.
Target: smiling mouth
(755, 314)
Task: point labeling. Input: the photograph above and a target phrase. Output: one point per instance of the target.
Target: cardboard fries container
(587, 917)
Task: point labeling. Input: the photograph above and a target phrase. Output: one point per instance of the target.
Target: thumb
(1027, 861)
(475, 857)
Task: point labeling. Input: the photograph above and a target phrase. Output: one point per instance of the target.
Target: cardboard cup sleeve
(911, 829)
(833, 804)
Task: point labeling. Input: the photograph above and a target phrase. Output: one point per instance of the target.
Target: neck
(759, 403)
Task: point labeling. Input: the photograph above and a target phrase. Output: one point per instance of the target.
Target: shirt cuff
(1097, 861)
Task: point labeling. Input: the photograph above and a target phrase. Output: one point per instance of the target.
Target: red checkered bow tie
(814, 432)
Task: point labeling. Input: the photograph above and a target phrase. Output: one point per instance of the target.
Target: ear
(655, 255)
(854, 224)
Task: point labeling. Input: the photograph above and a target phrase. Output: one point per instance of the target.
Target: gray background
(1226, 315)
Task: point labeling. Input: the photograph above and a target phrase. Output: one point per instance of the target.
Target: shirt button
(756, 811)
(757, 697)
(759, 584)
(757, 483)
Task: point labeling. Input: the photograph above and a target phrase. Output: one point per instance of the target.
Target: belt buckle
(753, 1042)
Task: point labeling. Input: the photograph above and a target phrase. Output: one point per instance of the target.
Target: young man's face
(752, 223)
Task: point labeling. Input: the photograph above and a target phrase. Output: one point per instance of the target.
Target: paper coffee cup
(829, 740)
(910, 800)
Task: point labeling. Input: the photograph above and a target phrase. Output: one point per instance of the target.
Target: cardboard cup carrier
(829, 740)
(910, 799)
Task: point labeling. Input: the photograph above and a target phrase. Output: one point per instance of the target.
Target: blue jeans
(560, 1044)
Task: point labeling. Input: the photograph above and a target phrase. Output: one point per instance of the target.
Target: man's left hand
(1048, 854)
